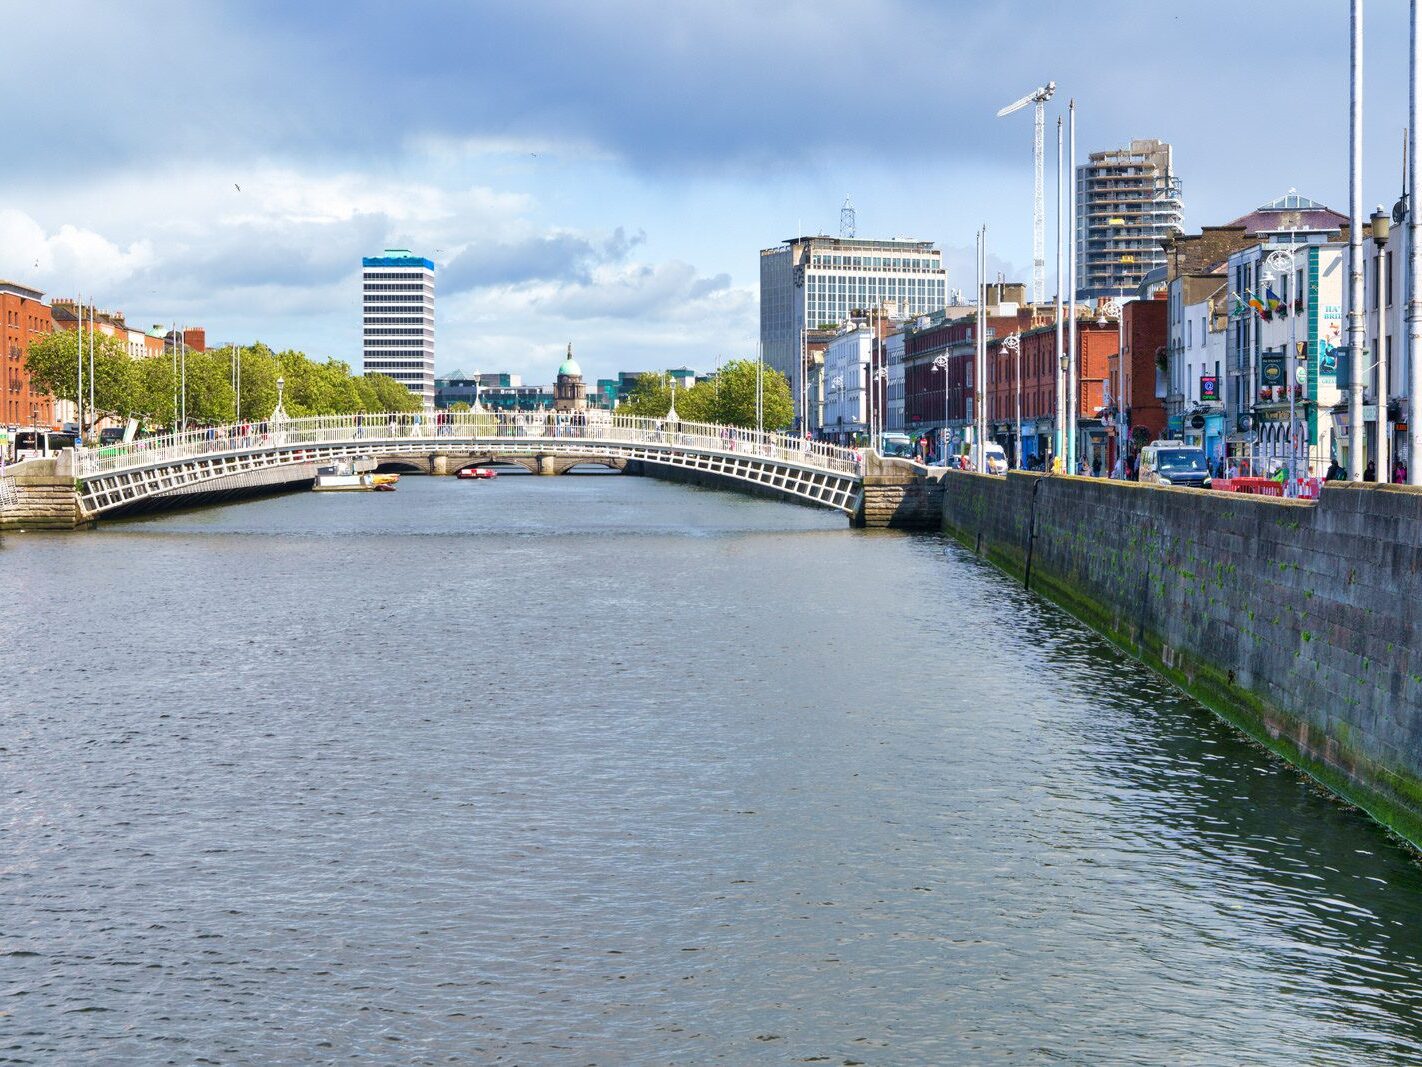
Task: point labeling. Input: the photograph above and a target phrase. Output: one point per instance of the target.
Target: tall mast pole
(79, 389)
(91, 364)
(1414, 267)
(1357, 366)
(1061, 351)
(1072, 373)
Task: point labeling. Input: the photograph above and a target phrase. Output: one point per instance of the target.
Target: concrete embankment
(1300, 623)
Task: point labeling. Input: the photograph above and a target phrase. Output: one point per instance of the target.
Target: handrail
(450, 427)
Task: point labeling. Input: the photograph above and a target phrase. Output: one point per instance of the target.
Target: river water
(602, 770)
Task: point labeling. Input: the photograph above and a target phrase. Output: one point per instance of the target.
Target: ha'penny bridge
(217, 464)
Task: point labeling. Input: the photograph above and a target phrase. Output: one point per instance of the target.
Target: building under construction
(1128, 200)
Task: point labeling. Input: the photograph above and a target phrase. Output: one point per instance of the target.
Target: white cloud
(68, 258)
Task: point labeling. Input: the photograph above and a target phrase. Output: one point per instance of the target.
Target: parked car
(1174, 463)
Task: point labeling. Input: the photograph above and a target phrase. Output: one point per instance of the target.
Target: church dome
(569, 366)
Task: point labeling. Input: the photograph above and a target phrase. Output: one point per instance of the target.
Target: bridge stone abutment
(40, 494)
(900, 494)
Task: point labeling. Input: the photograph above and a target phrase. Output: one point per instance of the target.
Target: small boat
(385, 481)
(344, 478)
(478, 472)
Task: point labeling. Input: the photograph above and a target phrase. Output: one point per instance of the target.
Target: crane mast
(1039, 212)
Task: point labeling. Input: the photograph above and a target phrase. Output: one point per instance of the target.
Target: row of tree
(728, 398)
(153, 390)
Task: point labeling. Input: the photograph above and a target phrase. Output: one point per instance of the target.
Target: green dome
(569, 366)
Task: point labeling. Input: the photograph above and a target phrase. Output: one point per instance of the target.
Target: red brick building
(1146, 335)
(1096, 348)
(23, 316)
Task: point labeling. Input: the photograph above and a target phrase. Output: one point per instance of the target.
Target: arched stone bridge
(230, 460)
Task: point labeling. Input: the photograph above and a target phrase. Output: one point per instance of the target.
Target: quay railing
(464, 429)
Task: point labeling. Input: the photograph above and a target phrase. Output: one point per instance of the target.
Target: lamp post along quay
(940, 363)
(1379, 228)
(1013, 343)
(1281, 262)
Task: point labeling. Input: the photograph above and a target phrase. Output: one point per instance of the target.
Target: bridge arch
(126, 477)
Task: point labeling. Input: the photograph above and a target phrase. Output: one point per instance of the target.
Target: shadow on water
(1325, 898)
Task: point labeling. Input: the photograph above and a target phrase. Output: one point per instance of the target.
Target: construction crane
(1039, 219)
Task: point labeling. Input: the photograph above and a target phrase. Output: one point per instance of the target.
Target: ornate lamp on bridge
(279, 412)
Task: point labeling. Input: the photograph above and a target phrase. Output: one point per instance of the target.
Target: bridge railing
(482, 429)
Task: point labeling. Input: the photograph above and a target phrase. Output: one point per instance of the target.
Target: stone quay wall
(1300, 623)
(39, 495)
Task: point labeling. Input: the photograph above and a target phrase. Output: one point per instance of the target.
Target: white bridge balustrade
(288, 450)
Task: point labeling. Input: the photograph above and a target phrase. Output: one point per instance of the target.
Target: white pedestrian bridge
(221, 461)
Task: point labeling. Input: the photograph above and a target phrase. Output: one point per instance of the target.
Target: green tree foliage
(728, 398)
(650, 396)
(153, 389)
(53, 365)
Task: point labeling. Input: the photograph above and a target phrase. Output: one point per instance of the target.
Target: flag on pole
(1258, 305)
(1239, 310)
(1276, 305)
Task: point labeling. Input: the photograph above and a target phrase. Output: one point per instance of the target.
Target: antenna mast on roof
(846, 219)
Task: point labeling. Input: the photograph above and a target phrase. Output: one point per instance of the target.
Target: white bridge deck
(288, 449)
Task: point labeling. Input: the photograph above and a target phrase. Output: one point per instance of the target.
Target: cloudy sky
(606, 173)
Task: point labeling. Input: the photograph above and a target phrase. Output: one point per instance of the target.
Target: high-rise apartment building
(809, 282)
(397, 305)
(1128, 200)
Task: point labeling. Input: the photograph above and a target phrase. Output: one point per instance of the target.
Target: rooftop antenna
(1039, 214)
(846, 219)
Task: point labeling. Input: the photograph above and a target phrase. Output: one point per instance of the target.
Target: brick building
(1096, 341)
(23, 316)
(1146, 334)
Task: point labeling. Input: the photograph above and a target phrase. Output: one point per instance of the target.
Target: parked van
(896, 444)
(995, 458)
(1174, 463)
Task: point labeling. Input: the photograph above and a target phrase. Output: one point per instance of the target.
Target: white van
(995, 458)
(1174, 463)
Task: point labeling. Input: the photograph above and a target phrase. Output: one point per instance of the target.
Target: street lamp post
(837, 384)
(1379, 227)
(279, 412)
(1013, 343)
(1281, 260)
(1114, 308)
(940, 362)
(881, 393)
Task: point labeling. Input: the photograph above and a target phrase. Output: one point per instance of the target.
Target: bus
(41, 444)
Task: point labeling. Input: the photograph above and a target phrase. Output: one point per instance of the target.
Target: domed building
(568, 391)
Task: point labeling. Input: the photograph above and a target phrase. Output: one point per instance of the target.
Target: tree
(52, 361)
(459, 407)
(731, 396)
(650, 396)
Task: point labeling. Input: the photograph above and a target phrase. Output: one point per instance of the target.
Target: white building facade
(893, 349)
(1282, 365)
(812, 281)
(397, 306)
(846, 379)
